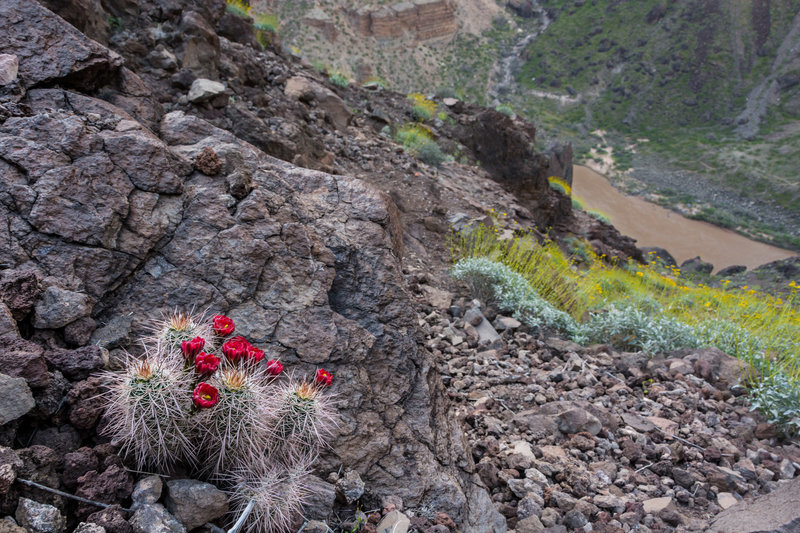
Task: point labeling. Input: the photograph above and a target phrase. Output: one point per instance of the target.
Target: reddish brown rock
(207, 162)
(76, 464)
(85, 403)
(114, 485)
(19, 290)
(23, 359)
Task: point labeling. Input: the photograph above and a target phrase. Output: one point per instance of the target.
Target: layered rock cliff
(423, 19)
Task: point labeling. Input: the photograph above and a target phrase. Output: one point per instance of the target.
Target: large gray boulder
(776, 512)
(194, 502)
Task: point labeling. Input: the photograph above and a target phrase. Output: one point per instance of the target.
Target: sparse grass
(647, 307)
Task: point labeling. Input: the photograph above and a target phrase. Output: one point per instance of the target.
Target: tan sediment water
(652, 225)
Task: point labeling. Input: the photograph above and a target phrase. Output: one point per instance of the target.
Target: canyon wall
(423, 19)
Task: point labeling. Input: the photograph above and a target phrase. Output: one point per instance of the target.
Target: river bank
(652, 225)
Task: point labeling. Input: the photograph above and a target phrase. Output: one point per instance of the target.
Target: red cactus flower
(324, 378)
(222, 325)
(235, 349)
(206, 363)
(274, 368)
(191, 348)
(205, 395)
(255, 354)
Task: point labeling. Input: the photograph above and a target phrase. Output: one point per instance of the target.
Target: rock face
(305, 262)
(777, 512)
(306, 90)
(321, 20)
(504, 146)
(423, 19)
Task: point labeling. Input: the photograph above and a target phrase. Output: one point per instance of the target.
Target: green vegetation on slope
(648, 308)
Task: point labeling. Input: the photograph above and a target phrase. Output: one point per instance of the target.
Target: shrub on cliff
(418, 141)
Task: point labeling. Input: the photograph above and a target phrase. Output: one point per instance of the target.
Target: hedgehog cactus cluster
(201, 397)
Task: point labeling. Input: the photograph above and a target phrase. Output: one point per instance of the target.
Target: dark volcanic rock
(505, 149)
(85, 403)
(194, 503)
(652, 253)
(112, 519)
(15, 397)
(76, 364)
(305, 262)
(696, 266)
(51, 50)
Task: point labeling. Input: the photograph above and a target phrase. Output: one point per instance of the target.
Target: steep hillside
(690, 91)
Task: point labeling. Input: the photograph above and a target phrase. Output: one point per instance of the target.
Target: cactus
(304, 420)
(235, 431)
(219, 407)
(146, 407)
(168, 336)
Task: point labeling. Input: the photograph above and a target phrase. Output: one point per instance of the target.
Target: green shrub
(418, 141)
(778, 397)
(421, 107)
(420, 113)
(506, 110)
(428, 152)
(495, 282)
(339, 79)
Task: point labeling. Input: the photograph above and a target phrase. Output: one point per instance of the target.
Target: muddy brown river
(652, 225)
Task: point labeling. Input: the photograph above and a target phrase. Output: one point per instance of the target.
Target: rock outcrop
(422, 19)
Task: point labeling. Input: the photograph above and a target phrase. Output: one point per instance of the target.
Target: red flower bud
(324, 378)
(191, 348)
(206, 363)
(205, 395)
(222, 325)
(274, 368)
(235, 349)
